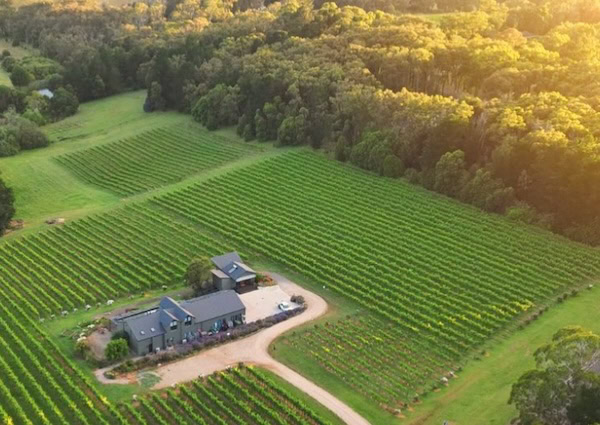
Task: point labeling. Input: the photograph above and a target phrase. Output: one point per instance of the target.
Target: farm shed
(232, 273)
(173, 322)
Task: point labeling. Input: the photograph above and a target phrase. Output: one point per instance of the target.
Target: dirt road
(254, 350)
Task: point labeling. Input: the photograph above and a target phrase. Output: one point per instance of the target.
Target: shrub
(63, 104)
(82, 347)
(8, 63)
(9, 144)
(5, 53)
(117, 350)
(393, 166)
(30, 137)
(120, 335)
(298, 299)
(20, 77)
(35, 116)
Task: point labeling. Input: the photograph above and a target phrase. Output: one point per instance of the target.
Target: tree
(565, 387)
(7, 209)
(155, 100)
(63, 104)
(20, 77)
(116, 350)
(450, 173)
(30, 137)
(198, 273)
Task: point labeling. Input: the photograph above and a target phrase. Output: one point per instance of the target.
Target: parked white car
(284, 306)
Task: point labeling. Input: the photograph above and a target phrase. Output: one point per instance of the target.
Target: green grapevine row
(151, 159)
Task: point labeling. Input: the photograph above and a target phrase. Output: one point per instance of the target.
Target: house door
(150, 348)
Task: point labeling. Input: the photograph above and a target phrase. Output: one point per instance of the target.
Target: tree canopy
(511, 85)
(564, 389)
(197, 274)
(7, 209)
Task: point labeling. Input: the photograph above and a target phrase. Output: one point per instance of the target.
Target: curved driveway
(255, 350)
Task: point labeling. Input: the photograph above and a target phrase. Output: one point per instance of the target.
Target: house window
(174, 325)
(188, 321)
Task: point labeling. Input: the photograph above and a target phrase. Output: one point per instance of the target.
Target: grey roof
(222, 261)
(232, 265)
(214, 305)
(145, 323)
(46, 93)
(154, 322)
(219, 274)
(169, 304)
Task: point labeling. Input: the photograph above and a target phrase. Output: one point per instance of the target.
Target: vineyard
(152, 158)
(98, 258)
(38, 385)
(446, 276)
(372, 357)
(239, 396)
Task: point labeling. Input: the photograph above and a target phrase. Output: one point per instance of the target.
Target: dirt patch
(98, 341)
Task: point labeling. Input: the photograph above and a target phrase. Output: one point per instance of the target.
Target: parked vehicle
(284, 306)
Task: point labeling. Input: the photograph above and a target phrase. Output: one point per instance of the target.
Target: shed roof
(222, 261)
(46, 93)
(219, 274)
(232, 265)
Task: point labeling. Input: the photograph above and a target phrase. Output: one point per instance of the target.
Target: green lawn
(480, 393)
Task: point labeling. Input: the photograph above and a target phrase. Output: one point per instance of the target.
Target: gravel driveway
(264, 302)
(254, 349)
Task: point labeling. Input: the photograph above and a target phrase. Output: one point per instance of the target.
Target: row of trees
(496, 105)
(7, 209)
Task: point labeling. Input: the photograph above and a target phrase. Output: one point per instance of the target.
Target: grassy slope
(480, 393)
(17, 52)
(44, 189)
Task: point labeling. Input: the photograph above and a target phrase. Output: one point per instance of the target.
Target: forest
(496, 104)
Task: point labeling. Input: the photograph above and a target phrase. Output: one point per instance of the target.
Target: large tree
(198, 273)
(7, 209)
(564, 389)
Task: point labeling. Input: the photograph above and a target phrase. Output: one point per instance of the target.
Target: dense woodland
(496, 104)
